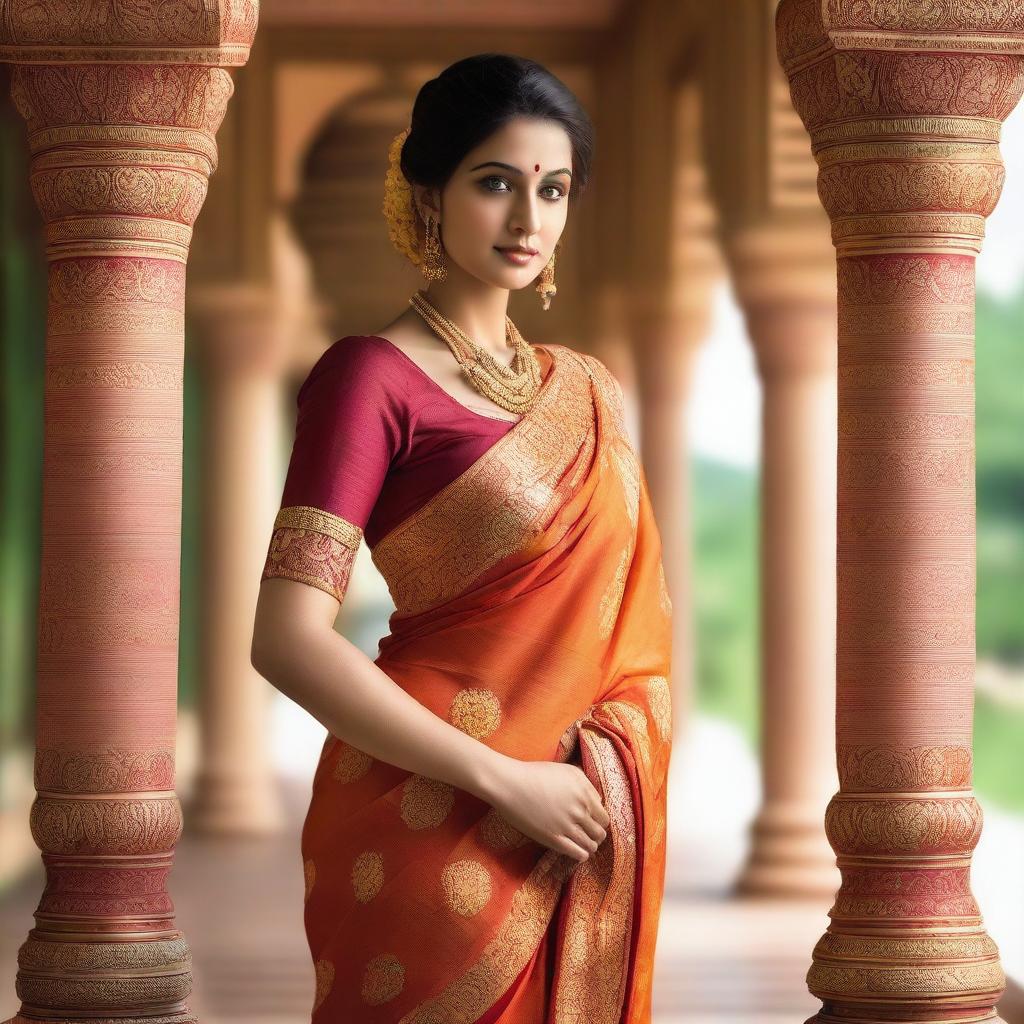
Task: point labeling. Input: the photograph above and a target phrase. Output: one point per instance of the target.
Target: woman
(485, 840)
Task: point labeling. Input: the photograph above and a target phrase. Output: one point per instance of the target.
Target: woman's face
(511, 190)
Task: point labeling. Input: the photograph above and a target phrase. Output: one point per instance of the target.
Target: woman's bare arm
(296, 648)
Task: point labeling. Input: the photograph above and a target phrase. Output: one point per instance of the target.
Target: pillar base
(790, 856)
(186, 1018)
(234, 807)
(954, 1018)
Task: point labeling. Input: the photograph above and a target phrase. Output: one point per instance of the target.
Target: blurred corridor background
(700, 268)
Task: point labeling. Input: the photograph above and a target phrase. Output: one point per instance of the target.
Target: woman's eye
(488, 183)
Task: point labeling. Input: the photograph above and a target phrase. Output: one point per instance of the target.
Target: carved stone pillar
(664, 353)
(122, 112)
(242, 350)
(671, 270)
(784, 276)
(904, 103)
(667, 338)
(776, 241)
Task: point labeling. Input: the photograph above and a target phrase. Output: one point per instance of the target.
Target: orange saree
(532, 613)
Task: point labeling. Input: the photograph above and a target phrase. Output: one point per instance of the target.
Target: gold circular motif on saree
(497, 833)
(467, 887)
(352, 764)
(475, 712)
(383, 979)
(309, 875)
(367, 875)
(661, 705)
(324, 980)
(426, 802)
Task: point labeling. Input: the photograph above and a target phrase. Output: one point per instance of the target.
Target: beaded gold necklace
(511, 386)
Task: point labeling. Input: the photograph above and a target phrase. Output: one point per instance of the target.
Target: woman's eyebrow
(515, 170)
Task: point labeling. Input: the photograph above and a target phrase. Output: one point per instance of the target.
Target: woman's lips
(516, 256)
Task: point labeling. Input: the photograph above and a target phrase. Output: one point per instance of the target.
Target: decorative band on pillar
(904, 104)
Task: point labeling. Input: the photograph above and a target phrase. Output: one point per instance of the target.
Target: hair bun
(398, 209)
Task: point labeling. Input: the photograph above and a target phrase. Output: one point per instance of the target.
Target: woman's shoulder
(360, 351)
(359, 348)
(591, 363)
(364, 360)
(563, 352)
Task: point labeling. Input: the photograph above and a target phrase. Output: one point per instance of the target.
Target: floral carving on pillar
(904, 102)
(122, 104)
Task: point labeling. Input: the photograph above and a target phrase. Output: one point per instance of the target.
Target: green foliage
(725, 592)
(22, 298)
(1000, 479)
(998, 754)
(726, 554)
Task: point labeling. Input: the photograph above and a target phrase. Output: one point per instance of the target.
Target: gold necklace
(512, 386)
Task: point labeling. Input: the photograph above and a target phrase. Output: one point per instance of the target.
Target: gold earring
(433, 264)
(546, 285)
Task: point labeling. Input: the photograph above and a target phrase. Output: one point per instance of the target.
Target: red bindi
(536, 167)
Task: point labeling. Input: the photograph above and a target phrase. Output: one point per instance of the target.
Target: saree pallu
(531, 613)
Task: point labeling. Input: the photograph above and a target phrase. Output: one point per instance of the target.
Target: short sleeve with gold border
(348, 429)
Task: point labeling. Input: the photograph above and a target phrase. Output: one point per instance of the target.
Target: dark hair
(475, 97)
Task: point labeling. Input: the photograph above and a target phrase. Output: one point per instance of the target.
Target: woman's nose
(527, 216)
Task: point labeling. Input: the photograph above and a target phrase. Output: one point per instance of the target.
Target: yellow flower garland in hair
(398, 208)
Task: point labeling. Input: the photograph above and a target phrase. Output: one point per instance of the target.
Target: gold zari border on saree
(591, 984)
(470, 995)
(601, 892)
(521, 480)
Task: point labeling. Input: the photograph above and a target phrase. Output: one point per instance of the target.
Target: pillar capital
(782, 261)
(904, 104)
(122, 113)
(215, 33)
(784, 274)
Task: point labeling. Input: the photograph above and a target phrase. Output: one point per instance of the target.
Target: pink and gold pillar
(784, 275)
(242, 350)
(904, 104)
(122, 113)
(670, 316)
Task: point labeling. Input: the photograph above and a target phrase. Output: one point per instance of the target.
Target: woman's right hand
(551, 802)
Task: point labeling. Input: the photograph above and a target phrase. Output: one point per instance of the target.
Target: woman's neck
(480, 312)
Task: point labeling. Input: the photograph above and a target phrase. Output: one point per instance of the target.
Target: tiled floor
(719, 960)
(239, 903)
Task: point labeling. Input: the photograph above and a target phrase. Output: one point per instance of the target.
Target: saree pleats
(531, 612)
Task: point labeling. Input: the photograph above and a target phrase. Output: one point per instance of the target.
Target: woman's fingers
(579, 835)
(593, 829)
(593, 804)
(567, 846)
(595, 809)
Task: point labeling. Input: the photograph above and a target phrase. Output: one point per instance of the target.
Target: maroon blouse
(375, 438)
